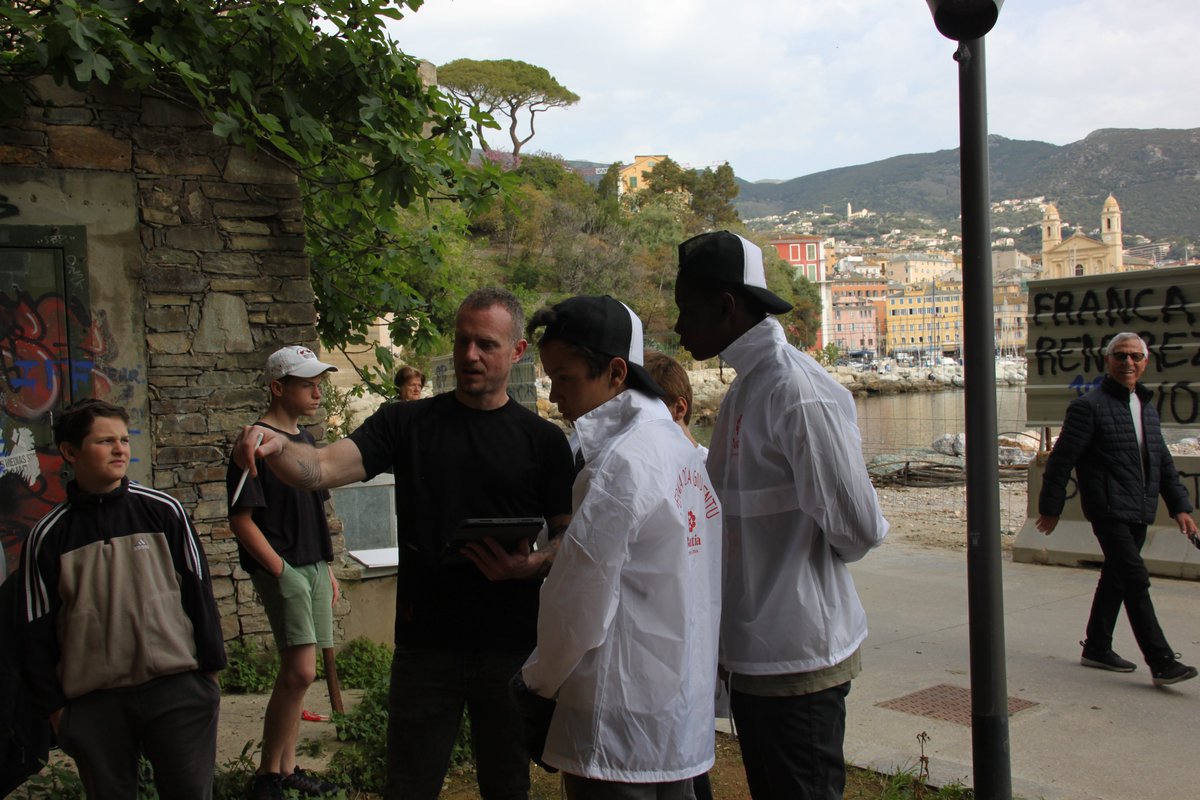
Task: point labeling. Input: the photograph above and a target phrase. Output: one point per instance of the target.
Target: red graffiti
(38, 376)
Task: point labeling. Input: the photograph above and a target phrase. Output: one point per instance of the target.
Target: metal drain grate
(946, 702)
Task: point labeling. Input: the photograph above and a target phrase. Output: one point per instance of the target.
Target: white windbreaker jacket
(627, 630)
(786, 460)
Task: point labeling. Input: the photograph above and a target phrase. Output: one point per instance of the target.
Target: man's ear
(618, 372)
(276, 388)
(729, 307)
(68, 452)
(518, 351)
(679, 408)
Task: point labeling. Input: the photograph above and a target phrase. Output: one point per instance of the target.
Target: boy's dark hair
(596, 362)
(76, 422)
(672, 377)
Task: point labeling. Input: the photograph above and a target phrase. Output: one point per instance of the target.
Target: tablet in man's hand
(508, 531)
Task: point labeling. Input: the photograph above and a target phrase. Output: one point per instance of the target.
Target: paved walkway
(1092, 734)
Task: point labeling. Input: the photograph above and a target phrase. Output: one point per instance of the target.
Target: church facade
(1079, 255)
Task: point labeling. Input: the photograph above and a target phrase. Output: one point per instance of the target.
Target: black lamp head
(963, 20)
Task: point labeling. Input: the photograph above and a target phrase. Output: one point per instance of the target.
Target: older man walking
(1112, 439)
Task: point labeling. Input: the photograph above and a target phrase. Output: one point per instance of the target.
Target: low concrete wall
(1167, 553)
(373, 609)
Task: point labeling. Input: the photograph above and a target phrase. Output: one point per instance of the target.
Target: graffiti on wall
(38, 377)
(1072, 320)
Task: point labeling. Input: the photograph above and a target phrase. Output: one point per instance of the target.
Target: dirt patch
(240, 727)
(938, 517)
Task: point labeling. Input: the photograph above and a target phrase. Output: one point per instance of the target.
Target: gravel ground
(938, 517)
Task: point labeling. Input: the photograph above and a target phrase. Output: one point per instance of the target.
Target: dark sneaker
(266, 786)
(308, 784)
(1172, 671)
(1109, 661)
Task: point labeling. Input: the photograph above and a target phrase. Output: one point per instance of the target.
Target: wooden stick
(331, 680)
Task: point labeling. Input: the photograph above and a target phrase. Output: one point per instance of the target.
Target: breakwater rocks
(709, 385)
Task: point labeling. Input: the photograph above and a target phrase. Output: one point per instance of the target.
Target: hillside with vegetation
(1155, 175)
(556, 234)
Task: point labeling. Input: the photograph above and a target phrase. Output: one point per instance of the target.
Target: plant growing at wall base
(250, 669)
(361, 662)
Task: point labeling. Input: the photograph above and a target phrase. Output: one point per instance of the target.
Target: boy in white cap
(787, 463)
(627, 630)
(283, 542)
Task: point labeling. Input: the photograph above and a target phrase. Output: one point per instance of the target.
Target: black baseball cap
(729, 258)
(607, 326)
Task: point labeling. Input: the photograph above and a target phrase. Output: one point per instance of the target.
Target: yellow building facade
(633, 176)
(925, 321)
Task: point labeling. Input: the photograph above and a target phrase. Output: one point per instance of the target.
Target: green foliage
(828, 355)
(555, 235)
(55, 782)
(310, 747)
(506, 86)
(803, 322)
(913, 784)
(361, 661)
(335, 403)
(232, 777)
(704, 197)
(362, 764)
(251, 669)
(316, 84)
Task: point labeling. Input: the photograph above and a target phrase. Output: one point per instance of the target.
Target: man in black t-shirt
(463, 627)
(283, 542)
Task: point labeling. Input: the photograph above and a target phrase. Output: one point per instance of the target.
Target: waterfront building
(924, 321)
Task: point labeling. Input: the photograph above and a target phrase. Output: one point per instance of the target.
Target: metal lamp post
(967, 21)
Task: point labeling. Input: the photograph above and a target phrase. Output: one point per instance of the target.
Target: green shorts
(299, 604)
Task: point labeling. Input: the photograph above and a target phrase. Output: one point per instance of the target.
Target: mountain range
(1154, 174)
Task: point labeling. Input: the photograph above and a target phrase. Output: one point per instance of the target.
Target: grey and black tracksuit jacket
(114, 592)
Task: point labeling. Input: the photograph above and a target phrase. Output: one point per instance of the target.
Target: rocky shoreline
(709, 385)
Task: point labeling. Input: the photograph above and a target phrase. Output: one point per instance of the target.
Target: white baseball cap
(296, 361)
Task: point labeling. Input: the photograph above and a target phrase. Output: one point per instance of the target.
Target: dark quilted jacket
(1098, 441)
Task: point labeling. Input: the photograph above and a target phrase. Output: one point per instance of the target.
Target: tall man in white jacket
(627, 627)
(786, 461)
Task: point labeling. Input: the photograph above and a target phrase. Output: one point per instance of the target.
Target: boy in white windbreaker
(627, 632)
(787, 462)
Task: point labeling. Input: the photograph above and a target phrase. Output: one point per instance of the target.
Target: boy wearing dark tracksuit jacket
(121, 635)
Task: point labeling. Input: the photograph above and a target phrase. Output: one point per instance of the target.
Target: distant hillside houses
(899, 296)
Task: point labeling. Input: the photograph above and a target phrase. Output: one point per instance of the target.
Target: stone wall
(214, 280)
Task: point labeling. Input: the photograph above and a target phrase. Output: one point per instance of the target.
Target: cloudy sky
(784, 88)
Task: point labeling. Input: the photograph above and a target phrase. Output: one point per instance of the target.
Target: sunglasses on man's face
(1134, 357)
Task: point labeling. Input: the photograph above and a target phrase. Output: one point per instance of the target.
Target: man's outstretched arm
(300, 465)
